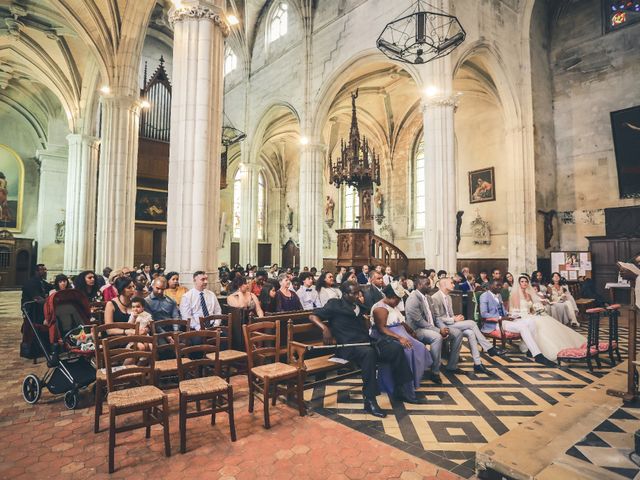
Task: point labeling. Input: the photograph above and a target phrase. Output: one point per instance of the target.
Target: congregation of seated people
(375, 316)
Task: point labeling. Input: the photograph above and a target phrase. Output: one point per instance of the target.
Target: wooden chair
(149, 400)
(194, 386)
(98, 333)
(262, 340)
(164, 332)
(588, 350)
(500, 333)
(229, 358)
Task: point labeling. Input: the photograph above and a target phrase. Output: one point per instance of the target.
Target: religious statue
(289, 218)
(548, 226)
(481, 231)
(329, 207)
(378, 203)
(366, 205)
(60, 230)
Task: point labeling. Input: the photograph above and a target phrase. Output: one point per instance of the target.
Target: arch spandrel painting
(11, 189)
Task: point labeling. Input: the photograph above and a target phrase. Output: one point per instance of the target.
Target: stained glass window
(261, 207)
(351, 206)
(620, 13)
(419, 198)
(237, 199)
(278, 24)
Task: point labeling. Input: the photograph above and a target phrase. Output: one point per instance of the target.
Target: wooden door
(290, 255)
(264, 254)
(235, 253)
(159, 245)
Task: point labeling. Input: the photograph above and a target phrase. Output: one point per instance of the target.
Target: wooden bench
(316, 367)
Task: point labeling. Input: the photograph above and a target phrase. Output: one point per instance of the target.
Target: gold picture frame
(151, 206)
(11, 189)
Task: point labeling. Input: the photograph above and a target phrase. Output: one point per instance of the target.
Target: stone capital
(77, 138)
(442, 101)
(197, 10)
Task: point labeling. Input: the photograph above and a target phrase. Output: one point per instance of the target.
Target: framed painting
(151, 206)
(625, 127)
(11, 189)
(482, 185)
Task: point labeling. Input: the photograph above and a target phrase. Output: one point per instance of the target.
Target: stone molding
(198, 12)
(442, 101)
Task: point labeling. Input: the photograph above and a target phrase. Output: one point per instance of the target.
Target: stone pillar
(249, 214)
(275, 214)
(115, 218)
(53, 181)
(196, 125)
(310, 209)
(440, 170)
(80, 218)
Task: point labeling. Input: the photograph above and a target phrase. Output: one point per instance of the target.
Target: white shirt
(308, 297)
(387, 279)
(190, 307)
(327, 293)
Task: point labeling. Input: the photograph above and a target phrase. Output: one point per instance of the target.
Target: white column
(310, 205)
(196, 124)
(115, 222)
(439, 152)
(80, 218)
(249, 214)
(275, 214)
(53, 181)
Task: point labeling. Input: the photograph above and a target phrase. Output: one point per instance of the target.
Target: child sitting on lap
(142, 319)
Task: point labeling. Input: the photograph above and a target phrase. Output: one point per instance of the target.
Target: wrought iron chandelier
(422, 33)
(358, 165)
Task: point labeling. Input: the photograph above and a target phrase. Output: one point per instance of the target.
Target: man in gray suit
(445, 317)
(373, 292)
(419, 316)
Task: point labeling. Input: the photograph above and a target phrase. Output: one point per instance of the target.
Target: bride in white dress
(550, 335)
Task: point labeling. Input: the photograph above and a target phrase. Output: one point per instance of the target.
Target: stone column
(196, 125)
(115, 218)
(53, 180)
(275, 214)
(80, 218)
(440, 170)
(310, 209)
(249, 214)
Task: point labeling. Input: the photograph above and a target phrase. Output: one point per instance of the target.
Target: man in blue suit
(492, 309)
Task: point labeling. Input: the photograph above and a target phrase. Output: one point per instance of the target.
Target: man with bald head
(159, 305)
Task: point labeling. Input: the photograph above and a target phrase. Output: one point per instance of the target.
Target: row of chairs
(202, 368)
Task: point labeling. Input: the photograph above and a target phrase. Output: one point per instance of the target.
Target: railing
(360, 246)
(387, 254)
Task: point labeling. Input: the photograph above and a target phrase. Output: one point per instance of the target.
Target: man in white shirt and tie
(306, 293)
(445, 317)
(419, 316)
(199, 301)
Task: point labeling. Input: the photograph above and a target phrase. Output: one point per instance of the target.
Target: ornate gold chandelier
(358, 165)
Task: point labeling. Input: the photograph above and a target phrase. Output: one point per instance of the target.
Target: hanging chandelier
(421, 34)
(358, 165)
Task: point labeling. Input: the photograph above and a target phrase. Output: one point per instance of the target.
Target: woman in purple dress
(387, 320)
(286, 299)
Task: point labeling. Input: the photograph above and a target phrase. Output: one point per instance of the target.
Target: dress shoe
(407, 395)
(481, 369)
(371, 406)
(541, 359)
(493, 351)
(457, 371)
(435, 378)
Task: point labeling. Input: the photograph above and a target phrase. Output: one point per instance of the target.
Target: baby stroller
(70, 369)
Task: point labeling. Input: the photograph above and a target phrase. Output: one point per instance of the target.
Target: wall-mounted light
(304, 141)
(145, 104)
(431, 91)
(105, 90)
(232, 20)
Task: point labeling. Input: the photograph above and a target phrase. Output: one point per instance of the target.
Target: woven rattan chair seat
(200, 386)
(274, 370)
(132, 397)
(229, 355)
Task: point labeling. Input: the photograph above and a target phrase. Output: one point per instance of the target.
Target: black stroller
(68, 359)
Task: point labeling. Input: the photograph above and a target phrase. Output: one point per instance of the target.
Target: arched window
(230, 61)
(419, 198)
(262, 219)
(351, 206)
(237, 199)
(278, 23)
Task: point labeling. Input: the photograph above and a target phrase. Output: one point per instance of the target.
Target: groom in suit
(419, 316)
(458, 325)
(492, 309)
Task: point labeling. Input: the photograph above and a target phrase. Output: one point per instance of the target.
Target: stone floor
(48, 441)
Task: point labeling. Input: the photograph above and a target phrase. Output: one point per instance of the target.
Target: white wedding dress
(550, 335)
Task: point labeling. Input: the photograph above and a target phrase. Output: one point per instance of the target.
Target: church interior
(414, 143)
